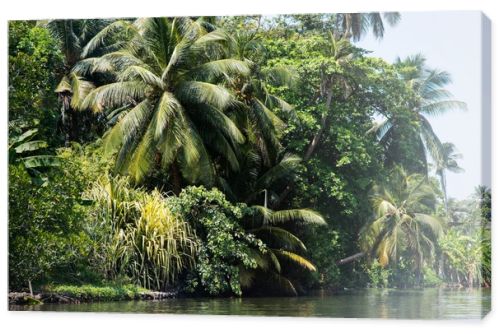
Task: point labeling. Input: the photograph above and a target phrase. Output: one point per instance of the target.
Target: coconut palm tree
(256, 113)
(73, 37)
(283, 247)
(167, 103)
(355, 25)
(430, 99)
(448, 161)
(404, 224)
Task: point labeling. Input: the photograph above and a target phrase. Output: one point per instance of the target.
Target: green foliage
(378, 275)
(431, 279)
(91, 293)
(23, 150)
(177, 120)
(136, 235)
(224, 248)
(463, 257)
(45, 223)
(404, 223)
(466, 246)
(34, 63)
(277, 110)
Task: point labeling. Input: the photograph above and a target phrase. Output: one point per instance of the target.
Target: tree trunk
(323, 125)
(442, 178)
(311, 148)
(176, 178)
(351, 258)
(30, 287)
(470, 279)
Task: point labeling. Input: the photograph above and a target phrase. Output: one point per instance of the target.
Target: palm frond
(440, 107)
(205, 93)
(295, 258)
(284, 237)
(306, 216)
(114, 95)
(283, 169)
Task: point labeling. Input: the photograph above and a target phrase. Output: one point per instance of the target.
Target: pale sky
(451, 41)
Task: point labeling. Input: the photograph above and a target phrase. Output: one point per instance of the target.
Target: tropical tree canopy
(430, 99)
(168, 100)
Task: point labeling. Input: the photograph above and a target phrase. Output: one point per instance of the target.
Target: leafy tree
(345, 160)
(34, 61)
(45, 223)
(224, 248)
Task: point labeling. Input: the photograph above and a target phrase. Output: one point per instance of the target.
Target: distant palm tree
(73, 36)
(430, 99)
(404, 223)
(355, 25)
(167, 102)
(447, 161)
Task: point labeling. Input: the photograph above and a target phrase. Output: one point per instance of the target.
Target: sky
(451, 41)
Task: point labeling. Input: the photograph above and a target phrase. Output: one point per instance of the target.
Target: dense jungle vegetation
(228, 156)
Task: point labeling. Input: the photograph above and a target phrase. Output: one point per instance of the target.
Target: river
(365, 303)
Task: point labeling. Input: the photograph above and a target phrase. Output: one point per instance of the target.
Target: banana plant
(24, 149)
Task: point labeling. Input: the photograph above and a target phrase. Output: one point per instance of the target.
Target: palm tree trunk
(176, 178)
(30, 287)
(442, 178)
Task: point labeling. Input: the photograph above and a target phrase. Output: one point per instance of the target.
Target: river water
(365, 303)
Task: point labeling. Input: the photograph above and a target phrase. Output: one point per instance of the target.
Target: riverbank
(70, 294)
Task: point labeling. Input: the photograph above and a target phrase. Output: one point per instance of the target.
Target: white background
(38, 322)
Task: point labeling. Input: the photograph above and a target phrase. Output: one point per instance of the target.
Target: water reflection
(369, 303)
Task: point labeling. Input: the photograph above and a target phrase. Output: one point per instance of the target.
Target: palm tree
(282, 246)
(256, 113)
(404, 223)
(430, 99)
(256, 181)
(448, 161)
(167, 103)
(355, 25)
(73, 37)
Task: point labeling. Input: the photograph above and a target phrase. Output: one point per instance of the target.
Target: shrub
(431, 279)
(137, 235)
(99, 293)
(45, 223)
(378, 275)
(223, 245)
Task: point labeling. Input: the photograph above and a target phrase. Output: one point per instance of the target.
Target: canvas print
(308, 165)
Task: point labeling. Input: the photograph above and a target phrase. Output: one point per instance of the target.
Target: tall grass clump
(136, 236)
